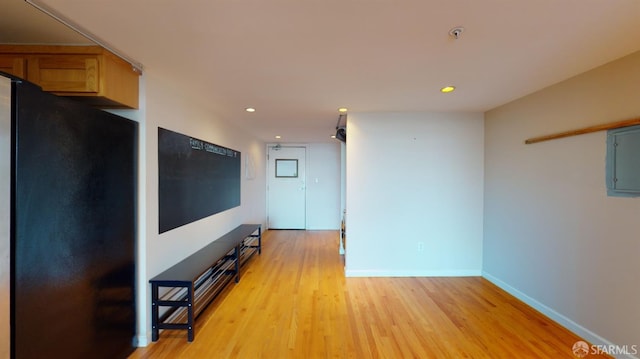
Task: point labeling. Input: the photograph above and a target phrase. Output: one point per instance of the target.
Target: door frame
(271, 145)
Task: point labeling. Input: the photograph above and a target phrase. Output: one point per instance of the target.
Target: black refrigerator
(71, 227)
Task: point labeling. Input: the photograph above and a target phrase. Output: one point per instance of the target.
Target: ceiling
(298, 61)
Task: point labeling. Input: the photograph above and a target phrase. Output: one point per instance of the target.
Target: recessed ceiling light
(250, 109)
(333, 136)
(342, 109)
(278, 136)
(447, 89)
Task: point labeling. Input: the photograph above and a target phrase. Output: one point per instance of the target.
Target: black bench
(196, 280)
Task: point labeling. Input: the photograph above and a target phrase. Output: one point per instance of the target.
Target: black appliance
(72, 226)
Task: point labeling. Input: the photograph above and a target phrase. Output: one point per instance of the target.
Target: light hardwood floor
(294, 301)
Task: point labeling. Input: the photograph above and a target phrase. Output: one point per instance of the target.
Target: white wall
(142, 282)
(178, 110)
(552, 236)
(5, 214)
(414, 180)
(323, 186)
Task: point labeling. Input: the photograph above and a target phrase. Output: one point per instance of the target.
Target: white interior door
(286, 192)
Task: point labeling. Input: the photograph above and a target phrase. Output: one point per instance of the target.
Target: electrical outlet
(420, 246)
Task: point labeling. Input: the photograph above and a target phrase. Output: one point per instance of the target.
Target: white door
(286, 192)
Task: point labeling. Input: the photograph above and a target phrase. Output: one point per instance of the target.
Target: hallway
(293, 301)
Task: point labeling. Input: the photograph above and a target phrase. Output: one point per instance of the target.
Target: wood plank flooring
(294, 301)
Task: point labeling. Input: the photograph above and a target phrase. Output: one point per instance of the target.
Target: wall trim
(550, 313)
(140, 341)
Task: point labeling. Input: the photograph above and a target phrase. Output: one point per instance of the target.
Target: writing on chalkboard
(196, 179)
(209, 147)
(196, 144)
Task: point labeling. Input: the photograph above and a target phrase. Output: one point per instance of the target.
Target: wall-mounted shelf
(582, 131)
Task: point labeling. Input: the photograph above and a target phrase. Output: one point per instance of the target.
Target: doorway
(286, 187)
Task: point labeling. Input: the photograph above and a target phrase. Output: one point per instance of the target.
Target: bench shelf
(184, 290)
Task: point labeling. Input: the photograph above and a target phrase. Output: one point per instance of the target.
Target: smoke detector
(456, 32)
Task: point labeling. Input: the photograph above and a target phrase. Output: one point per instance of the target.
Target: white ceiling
(297, 61)
(21, 23)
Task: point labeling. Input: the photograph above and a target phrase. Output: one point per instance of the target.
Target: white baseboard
(412, 273)
(576, 328)
(141, 341)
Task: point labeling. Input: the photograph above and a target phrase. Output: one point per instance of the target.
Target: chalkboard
(196, 179)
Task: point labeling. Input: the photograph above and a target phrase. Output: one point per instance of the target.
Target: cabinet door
(65, 73)
(14, 65)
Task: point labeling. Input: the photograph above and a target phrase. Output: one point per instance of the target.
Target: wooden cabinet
(13, 64)
(88, 73)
